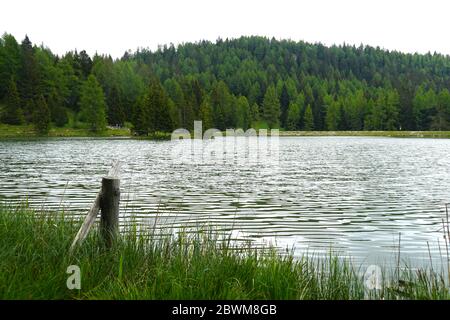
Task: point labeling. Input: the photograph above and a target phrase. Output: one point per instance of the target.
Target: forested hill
(230, 83)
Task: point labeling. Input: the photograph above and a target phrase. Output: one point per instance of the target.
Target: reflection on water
(351, 194)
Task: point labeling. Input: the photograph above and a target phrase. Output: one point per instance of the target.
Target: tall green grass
(34, 256)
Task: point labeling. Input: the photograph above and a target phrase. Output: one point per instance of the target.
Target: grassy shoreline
(27, 131)
(34, 256)
(394, 134)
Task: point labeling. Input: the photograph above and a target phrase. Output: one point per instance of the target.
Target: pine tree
(57, 111)
(205, 115)
(271, 107)
(308, 124)
(254, 94)
(255, 112)
(157, 105)
(441, 121)
(29, 76)
(244, 117)
(293, 116)
(223, 108)
(342, 116)
(174, 113)
(13, 113)
(392, 110)
(9, 62)
(192, 100)
(93, 105)
(379, 114)
(41, 116)
(182, 114)
(84, 62)
(284, 104)
(141, 117)
(333, 109)
(116, 115)
(424, 104)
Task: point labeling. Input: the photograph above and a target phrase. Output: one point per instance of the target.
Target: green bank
(396, 134)
(28, 131)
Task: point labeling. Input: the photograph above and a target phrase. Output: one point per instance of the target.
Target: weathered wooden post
(109, 207)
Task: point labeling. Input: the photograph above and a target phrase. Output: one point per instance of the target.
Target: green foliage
(181, 113)
(116, 114)
(13, 113)
(244, 114)
(83, 63)
(383, 111)
(92, 104)
(293, 117)
(271, 107)
(41, 116)
(157, 102)
(441, 119)
(206, 115)
(153, 111)
(284, 104)
(10, 61)
(174, 114)
(60, 116)
(255, 112)
(308, 124)
(346, 87)
(423, 107)
(333, 117)
(223, 105)
(29, 72)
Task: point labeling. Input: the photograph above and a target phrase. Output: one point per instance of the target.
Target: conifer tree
(116, 115)
(13, 113)
(93, 105)
(141, 117)
(41, 116)
(308, 124)
(29, 76)
(441, 120)
(222, 103)
(271, 107)
(244, 117)
(293, 116)
(157, 106)
(205, 115)
(333, 113)
(255, 112)
(284, 104)
(10, 60)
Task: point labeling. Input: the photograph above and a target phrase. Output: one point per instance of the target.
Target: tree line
(227, 84)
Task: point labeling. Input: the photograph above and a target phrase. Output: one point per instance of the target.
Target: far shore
(8, 131)
(397, 134)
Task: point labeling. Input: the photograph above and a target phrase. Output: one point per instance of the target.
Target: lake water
(353, 195)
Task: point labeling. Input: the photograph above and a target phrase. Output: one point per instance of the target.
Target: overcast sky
(116, 25)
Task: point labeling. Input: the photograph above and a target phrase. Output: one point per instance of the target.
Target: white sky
(115, 26)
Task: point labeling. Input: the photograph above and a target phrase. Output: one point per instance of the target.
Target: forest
(231, 83)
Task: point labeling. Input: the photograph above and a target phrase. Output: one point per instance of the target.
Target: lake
(354, 195)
